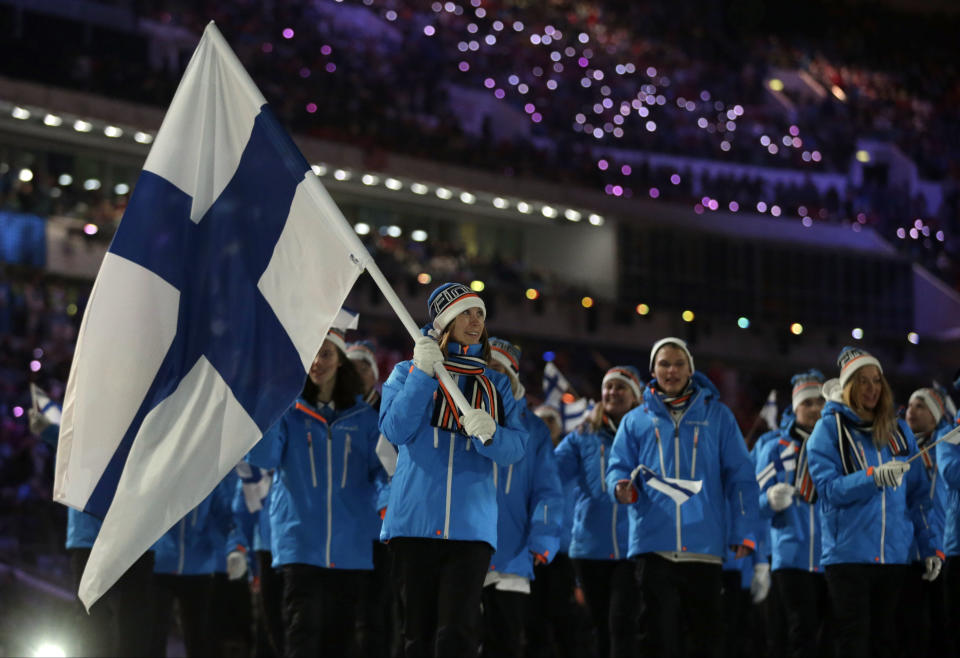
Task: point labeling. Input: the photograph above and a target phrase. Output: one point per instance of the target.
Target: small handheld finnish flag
(255, 483)
(44, 405)
(783, 461)
(225, 274)
(554, 385)
(679, 490)
(769, 411)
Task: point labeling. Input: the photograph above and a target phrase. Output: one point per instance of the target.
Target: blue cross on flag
(228, 267)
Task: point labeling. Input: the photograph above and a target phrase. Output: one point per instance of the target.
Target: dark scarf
(481, 393)
(923, 440)
(607, 425)
(852, 455)
(802, 481)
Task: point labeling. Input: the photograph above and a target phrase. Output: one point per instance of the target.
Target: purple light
(918, 223)
(311, 107)
(914, 233)
(304, 72)
(287, 33)
(500, 93)
(617, 190)
(17, 412)
(536, 117)
(714, 204)
(705, 201)
(489, 83)
(267, 47)
(90, 229)
(807, 221)
(429, 30)
(583, 62)
(901, 233)
(602, 165)
(862, 218)
(331, 67)
(654, 193)
(626, 170)
(698, 209)
(34, 366)
(608, 188)
(675, 179)
(940, 236)
(734, 206)
(529, 108)
(463, 66)
(325, 49)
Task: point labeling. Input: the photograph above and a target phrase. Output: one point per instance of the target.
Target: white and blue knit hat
(851, 359)
(933, 400)
(450, 300)
(629, 376)
(363, 350)
(806, 385)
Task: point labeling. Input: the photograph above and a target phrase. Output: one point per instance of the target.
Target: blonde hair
(882, 415)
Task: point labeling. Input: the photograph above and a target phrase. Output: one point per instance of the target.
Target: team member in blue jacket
(441, 518)
(788, 501)
(598, 545)
(530, 511)
(683, 431)
(927, 417)
(323, 504)
(187, 557)
(873, 505)
(948, 464)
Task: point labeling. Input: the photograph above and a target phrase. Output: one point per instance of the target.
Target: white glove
(780, 496)
(478, 423)
(760, 583)
(38, 422)
(890, 474)
(426, 354)
(236, 565)
(932, 566)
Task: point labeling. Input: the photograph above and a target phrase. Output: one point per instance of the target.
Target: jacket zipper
(506, 489)
(446, 514)
(883, 515)
(693, 460)
(329, 491)
(603, 467)
(811, 536)
(313, 463)
(613, 531)
(346, 456)
(676, 470)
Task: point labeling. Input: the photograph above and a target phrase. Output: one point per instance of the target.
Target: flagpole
(948, 435)
(323, 198)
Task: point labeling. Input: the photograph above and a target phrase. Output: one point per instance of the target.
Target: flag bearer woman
(683, 431)
(441, 518)
(323, 515)
(598, 543)
(873, 506)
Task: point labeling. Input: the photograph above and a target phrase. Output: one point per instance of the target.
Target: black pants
(120, 623)
(773, 621)
(865, 600)
(320, 609)
(682, 602)
(951, 607)
(803, 596)
(269, 607)
(231, 617)
(377, 618)
(440, 585)
(925, 601)
(736, 604)
(557, 626)
(504, 619)
(192, 595)
(615, 604)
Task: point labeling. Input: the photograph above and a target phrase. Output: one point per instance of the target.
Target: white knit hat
(806, 385)
(677, 342)
(851, 359)
(932, 400)
(629, 376)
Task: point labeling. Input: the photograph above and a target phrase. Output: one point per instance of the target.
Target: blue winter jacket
(82, 529)
(861, 522)
(948, 464)
(601, 529)
(795, 531)
(197, 544)
(251, 530)
(530, 504)
(936, 488)
(443, 487)
(323, 498)
(705, 444)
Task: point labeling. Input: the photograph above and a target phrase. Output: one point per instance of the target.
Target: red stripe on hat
(513, 362)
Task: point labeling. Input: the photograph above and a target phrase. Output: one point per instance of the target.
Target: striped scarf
(923, 441)
(802, 481)
(676, 403)
(852, 454)
(481, 393)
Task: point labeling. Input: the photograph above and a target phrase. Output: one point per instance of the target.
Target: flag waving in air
(228, 267)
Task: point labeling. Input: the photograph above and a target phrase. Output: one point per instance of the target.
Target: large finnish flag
(228, 267)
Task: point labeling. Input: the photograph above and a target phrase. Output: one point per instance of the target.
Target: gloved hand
(890, 474)
(626, 493)
(760, 583)
(426, 354)
(236, 564)
(932, 565)
(478, 423)
(780, 496)
(38, 422)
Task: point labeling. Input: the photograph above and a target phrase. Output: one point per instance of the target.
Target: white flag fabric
(783, 461)
(679, 490)
(255, 483)
(554, 385)
(769, 411)
(574, 413)
(228, 268)
(42, 403)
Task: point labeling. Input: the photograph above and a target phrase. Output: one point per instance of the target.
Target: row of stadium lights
(448, 194)
(343, 175)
